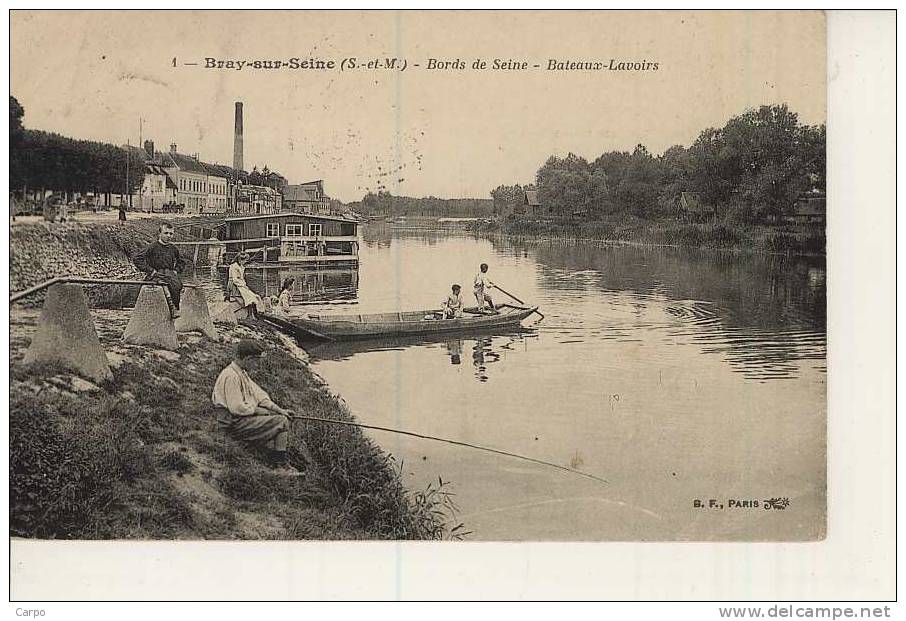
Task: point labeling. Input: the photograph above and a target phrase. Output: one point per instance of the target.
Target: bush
(63, 472)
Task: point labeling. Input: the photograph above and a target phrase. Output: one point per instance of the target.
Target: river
(677, 375)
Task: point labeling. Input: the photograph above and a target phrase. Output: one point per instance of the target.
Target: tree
(568, 187)
(637, 189)
(675, 164)
(16, 112)
(813, 140)
(507, 197)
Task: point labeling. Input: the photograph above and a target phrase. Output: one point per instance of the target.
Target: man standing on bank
(247, 410)
(161, 262)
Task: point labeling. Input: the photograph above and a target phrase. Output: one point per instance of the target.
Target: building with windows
(306, 198)
(191, 179)
(256, 199)
(294, 237)
(157, 190)
(219, 189)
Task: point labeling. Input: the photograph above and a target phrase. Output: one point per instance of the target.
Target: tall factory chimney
(237, 138)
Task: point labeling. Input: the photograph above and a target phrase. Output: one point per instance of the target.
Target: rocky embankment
(43, 250)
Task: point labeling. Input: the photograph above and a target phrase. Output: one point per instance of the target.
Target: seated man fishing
(247, 410)
(161, 262)
(452, 305)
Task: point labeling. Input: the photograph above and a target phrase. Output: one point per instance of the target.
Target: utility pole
(128, 193)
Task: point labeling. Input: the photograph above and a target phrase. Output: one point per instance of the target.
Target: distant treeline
(40, 161)
(385, 204)
(750, 170)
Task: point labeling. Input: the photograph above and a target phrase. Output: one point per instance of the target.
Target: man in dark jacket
(162, 263)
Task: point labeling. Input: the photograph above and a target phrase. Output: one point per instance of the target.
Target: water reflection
(454, 348)
(764, 313)
(310, 286)
(485, 348)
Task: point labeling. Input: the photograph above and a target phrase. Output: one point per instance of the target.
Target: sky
(107, 76)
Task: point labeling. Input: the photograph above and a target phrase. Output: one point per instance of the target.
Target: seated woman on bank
(246, 410)
(452, 305)
(237, 289)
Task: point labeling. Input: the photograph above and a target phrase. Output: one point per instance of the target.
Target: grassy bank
(760, 238)
(140, 456)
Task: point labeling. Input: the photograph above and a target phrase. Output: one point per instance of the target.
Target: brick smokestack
(237, 138)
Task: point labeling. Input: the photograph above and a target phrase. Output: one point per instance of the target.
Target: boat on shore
(377, 325)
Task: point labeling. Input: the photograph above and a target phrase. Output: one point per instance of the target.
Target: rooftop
(285, 214)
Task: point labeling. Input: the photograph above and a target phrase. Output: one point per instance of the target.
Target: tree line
(750, 170)
(41, 161)
(385, 204)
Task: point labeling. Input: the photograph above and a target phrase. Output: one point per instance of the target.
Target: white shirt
(482, 281)
(235, 391)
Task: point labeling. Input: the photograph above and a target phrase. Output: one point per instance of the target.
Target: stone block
(194, 314)
(66, 334)
(150, 323)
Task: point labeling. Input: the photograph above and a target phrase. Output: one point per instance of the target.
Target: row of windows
(193, 185)
(294, 230)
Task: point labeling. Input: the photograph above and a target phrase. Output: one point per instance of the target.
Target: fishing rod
(449, 441)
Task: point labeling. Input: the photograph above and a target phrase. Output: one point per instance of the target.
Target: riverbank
(141, 457)
(787, 239)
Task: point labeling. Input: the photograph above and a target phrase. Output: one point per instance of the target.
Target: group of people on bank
(244, 408)
(162, 262)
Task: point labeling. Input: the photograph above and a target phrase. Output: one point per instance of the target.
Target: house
(190, 177)
(306, 198)
(809, 208)
(257, 199)
(692, 207)
(532, 204)
(220, 188)
(158, 189)
(295, 237)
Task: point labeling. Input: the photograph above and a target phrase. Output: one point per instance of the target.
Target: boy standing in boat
(162, 263)
(482, 285)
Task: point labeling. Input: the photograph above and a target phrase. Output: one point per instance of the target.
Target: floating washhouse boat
(295, 238)
(377, 325)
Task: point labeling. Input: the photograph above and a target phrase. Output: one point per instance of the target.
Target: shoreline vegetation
(785, 239)
(758, 183)
(141, 457)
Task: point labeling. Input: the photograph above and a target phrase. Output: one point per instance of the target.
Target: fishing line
(448, 441)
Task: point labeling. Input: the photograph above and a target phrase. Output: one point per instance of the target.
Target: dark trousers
(173, 288)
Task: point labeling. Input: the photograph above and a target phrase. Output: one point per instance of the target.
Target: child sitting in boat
(281, 302)
(452, 306)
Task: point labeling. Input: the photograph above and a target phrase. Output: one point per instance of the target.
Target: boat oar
(448, 441)
(504, 291)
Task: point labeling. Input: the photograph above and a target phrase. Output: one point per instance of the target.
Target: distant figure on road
(482, 285)
(452, 305)
(161, 262)
(246, 410)
(122, 213)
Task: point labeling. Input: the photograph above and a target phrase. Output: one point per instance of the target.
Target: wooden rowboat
(376, 325)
